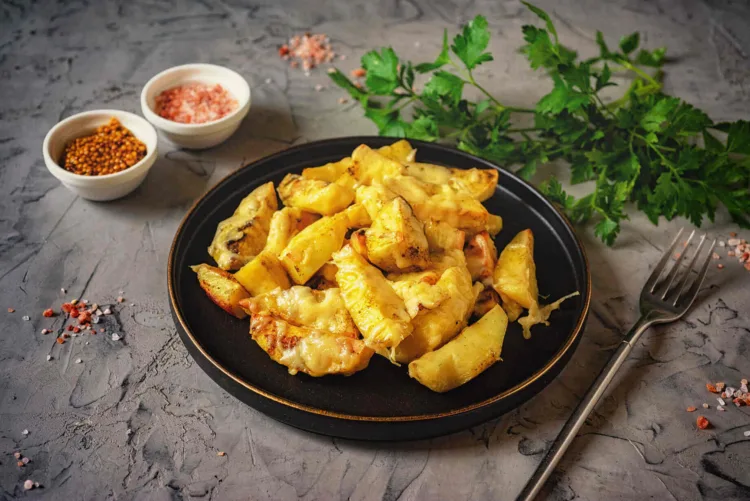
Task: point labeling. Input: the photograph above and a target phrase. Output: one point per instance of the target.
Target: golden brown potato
(515, 273)
(396, 240)
(370, 165)
(480, 183)
(357, 216)
(400, 151)
(263, 274)
(375, 307)
(511, 308)
(373, 198)
(314, 195)
(442, 236)
(481, 257)
(222, 288)
(329, 172)
(466, 356)
(300, 305)
(434, 327)
(440, 203)
(285, 224)
(494, 224)
(242, 236)
(487, 300)
(306, 350)
(312, 247)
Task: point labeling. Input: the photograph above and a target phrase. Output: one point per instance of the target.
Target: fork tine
(659, 268)
(681, 286)
(693, 291)
(676, 268)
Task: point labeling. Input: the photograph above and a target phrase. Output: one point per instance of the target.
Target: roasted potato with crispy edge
(515, 273)
(464, 357)
(395, 241)
(314, 195)
(222, 288)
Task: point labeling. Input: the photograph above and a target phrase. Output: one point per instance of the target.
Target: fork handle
(576, 420)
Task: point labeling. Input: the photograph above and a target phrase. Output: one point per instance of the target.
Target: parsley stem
(639, 72)
(527, 129)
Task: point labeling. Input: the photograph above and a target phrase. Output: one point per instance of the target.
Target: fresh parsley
(644, 148)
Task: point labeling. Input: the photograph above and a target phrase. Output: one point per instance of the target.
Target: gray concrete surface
(57, 59)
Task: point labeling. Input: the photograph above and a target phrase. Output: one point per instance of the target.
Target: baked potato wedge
(434, 327)
(515, 273)
(373, 198)
(263, 274)
(400, 151)
(466, 356)
(285, 224)
(370, 165)
(396, 241)
(511, 308)
(329, 172)
(222, 288)
(312, 247)
(441, 236)
(378, 312)
(440, 203)
(481, 258)
(242, 236)
(314, 195)
(479, 183)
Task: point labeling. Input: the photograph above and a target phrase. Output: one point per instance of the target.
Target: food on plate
(481, 257)
(376, 254)
(222, 288)
(466, 356)
(312, 247)
(515, 280)
(240, 237)
(307, 331)
(111, 148)
(515, 274)
(395, 241)
(195, 103)
(435, 326)
(314, 195)
(378, 312)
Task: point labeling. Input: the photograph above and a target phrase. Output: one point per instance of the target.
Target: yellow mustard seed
(112, 148)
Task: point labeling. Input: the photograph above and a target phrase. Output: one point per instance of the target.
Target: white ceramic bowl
(108, 186)
(197, 136)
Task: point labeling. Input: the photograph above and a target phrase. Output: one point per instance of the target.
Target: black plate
(381, 402)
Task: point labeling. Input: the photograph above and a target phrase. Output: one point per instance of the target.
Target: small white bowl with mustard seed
(196, 106)
(100, 155)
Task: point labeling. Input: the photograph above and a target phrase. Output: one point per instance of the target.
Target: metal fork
(661, 302)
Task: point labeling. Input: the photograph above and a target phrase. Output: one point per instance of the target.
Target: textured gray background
(57, 59)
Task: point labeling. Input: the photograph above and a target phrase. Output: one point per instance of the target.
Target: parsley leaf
(382, 71)
(470, 45)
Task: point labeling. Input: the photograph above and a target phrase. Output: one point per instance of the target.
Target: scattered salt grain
(733, 242)
(730, 392)
(36, 485)
(28, 485)
(721, 401)
(743, 381)
(268, 80)
(26, 460)
(720, 266)
(25, 433)
(129, 432)
(132, 304)
(343, 100)
(722, 243)
(26, 318)
(743, 388)
(107, 311)
(95, 319)
(63, 290)
(221, 453)
(45, 331)
(318, 87)
(720, 386)
(98, 312)
(85, 301)
(49, 357)
(116, 337)
(721, 408)
(331, 70)
(120, 299)
(715, 256)
(417, 44)
(705, 406)
(747, 433)
(78, 360)
(11, 310)
(17, 455)
(342, 57)
(87, 342)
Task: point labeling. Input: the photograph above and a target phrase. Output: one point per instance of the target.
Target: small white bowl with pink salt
(196, 106)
